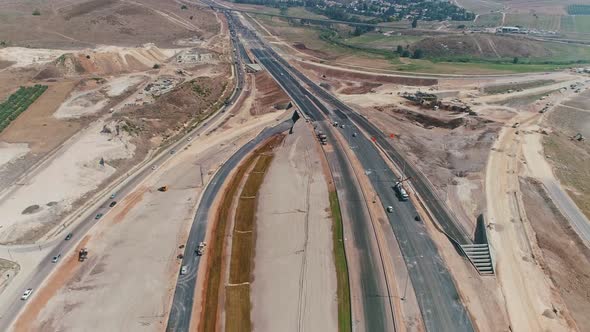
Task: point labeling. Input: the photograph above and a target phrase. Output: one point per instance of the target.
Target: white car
(183, 270)
(390, 209)
(55, 258)
(26, 294)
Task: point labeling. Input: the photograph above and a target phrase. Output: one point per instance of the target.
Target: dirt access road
(133, 250)
(530, 296)
(294, 261)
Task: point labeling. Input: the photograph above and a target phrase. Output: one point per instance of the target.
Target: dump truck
(163, 188)
(82, 255)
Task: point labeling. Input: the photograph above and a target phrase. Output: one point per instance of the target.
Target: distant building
(509, 30)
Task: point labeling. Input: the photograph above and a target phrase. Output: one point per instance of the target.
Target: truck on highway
(401, 192)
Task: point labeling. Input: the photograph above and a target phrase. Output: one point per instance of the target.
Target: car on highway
(153, 167)
(353, 134)
(98, 216)
(55, 258)
(188, 139)
(26, 294)
(113, 196)
(113, 203)
(183, 270)
(69, 236)
(172, 151)
(390, 209)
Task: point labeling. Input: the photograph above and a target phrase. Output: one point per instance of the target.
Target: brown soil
(269, 96)
(63, 24)
(29, 317)
(319, 54)
(449, 151)
(336, 74)
(485, 45)
(189, 102)
(216, 260)
(37, 126)
(361, 88)
(565, 255)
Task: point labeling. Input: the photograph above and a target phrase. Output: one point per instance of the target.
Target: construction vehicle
(201, 249)
(82, 255)
(401, 192)
(163, 188)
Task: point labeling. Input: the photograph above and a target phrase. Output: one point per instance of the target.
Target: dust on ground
(562, 249)
(295, 273)
(63, 24)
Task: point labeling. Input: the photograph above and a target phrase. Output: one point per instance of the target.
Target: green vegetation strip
(344, 311)
(208, 320)
(238, 307)
(18, 102)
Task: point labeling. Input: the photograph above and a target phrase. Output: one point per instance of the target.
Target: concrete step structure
(480, 257)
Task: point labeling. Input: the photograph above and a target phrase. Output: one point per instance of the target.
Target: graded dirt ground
(64, 24)
(562, 250)
(293, 264)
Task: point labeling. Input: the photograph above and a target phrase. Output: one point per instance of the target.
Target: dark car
(69, 236)
(98, 216)
(113, 203)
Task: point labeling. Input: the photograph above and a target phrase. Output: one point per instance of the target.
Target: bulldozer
(82, 255)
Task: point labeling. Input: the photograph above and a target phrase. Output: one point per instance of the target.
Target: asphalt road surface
(42, 271)
(569, 208)
(180, 314)
(436, 293)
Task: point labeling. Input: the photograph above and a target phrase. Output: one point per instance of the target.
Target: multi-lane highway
(437, 295)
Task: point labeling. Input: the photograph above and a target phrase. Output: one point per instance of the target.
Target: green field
(18, 102)
(534, 21)
(480, 6)
(488, 20)
(380, 41)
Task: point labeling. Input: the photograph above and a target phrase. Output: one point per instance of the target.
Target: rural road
(11, 305)
(568, 207)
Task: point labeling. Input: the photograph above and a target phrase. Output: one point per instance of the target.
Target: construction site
(195, 153)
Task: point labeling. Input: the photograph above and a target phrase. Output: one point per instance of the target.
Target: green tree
(515, 60)
(399, 49)
(405, 54)
(415, 23)
(418, 54)
(183, 7)
(36, 12)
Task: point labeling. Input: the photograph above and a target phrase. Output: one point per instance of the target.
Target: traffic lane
(569, 208)
(180, 313)
(375, 298)
(434, 287)
(63, 247)
(375, 295)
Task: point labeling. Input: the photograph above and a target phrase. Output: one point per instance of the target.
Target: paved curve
(569, 208)
(436, 293)
(180, 314)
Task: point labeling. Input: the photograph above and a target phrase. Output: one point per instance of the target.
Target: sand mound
(106, 61)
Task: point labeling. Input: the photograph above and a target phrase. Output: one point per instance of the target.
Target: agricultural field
(578, 9)
(381, 41)
(575, 24)
(488, 20)
(534, 21)
(479, 6)
(18, 102)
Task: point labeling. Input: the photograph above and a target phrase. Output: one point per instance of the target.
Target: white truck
(401, 192)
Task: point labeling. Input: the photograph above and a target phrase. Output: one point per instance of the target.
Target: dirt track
(293, 267)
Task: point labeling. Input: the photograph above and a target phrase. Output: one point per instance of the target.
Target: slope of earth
(63, 24)
(269, 96)
(570, 158)
(562, 249)
(482, 45)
